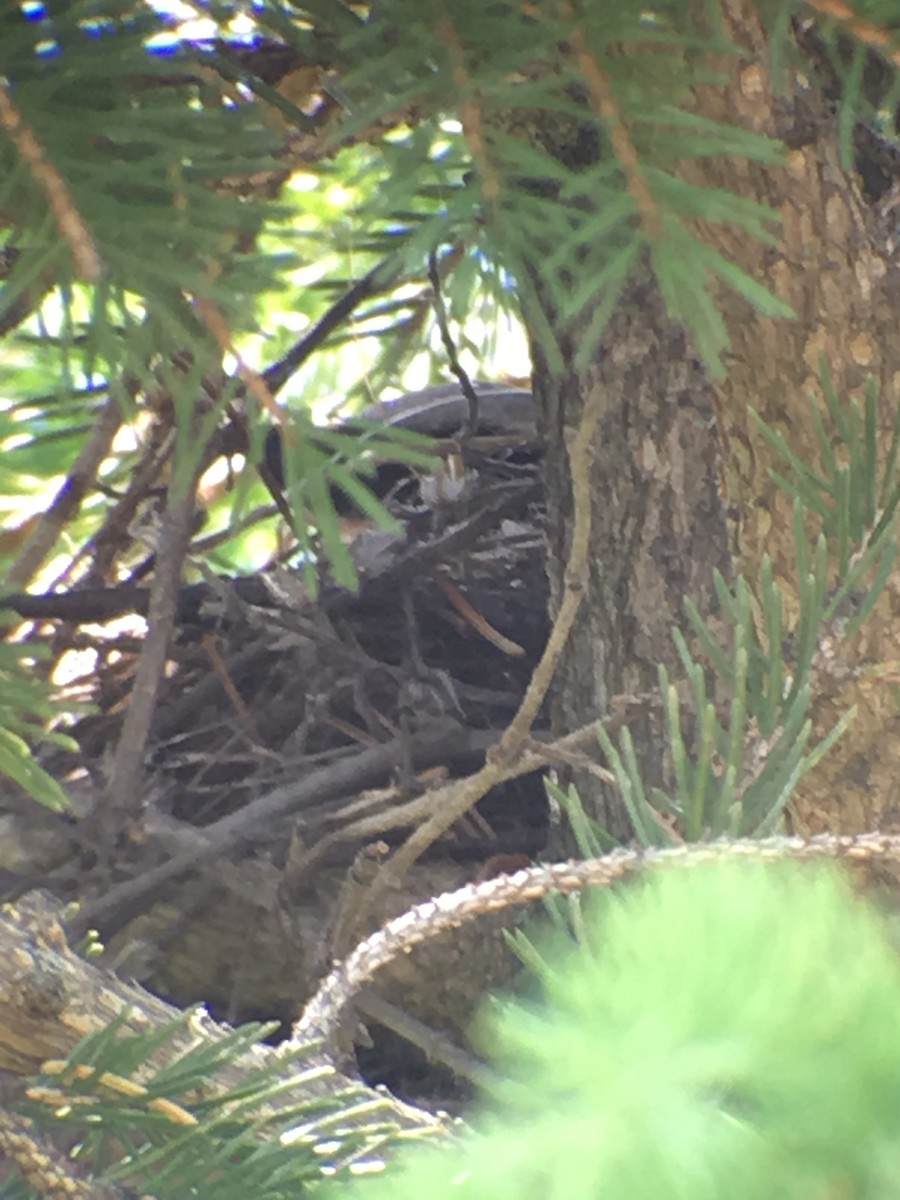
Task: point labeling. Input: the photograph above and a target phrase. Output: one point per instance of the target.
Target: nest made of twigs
(267, 687)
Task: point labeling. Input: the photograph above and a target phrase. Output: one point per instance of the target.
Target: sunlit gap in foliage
(192, 25)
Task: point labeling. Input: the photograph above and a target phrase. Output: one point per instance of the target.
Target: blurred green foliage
(723, 1031)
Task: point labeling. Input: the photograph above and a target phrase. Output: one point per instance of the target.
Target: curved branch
(322, 1016)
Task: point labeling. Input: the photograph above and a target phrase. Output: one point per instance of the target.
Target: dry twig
(83, 473)
(504, 760)
(123, 795)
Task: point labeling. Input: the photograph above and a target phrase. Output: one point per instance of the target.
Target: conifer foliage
(400, 177)
(696, 1043)
(148, 224)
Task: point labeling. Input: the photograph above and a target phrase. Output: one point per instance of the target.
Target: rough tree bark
(682, 481)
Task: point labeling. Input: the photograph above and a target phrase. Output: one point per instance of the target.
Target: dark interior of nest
(266, 687)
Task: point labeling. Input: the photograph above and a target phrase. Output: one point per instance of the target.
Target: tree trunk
(682, 477)
(658, 527)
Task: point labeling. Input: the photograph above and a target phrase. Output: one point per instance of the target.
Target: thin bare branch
(123, 795)
(67, 500)
(347, 776)
(437, 1047)
(506, 757)
(443, 320)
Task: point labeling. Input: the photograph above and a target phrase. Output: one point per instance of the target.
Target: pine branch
(51, 999)
(322, 1016)
(70, 222)
(603, 102)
